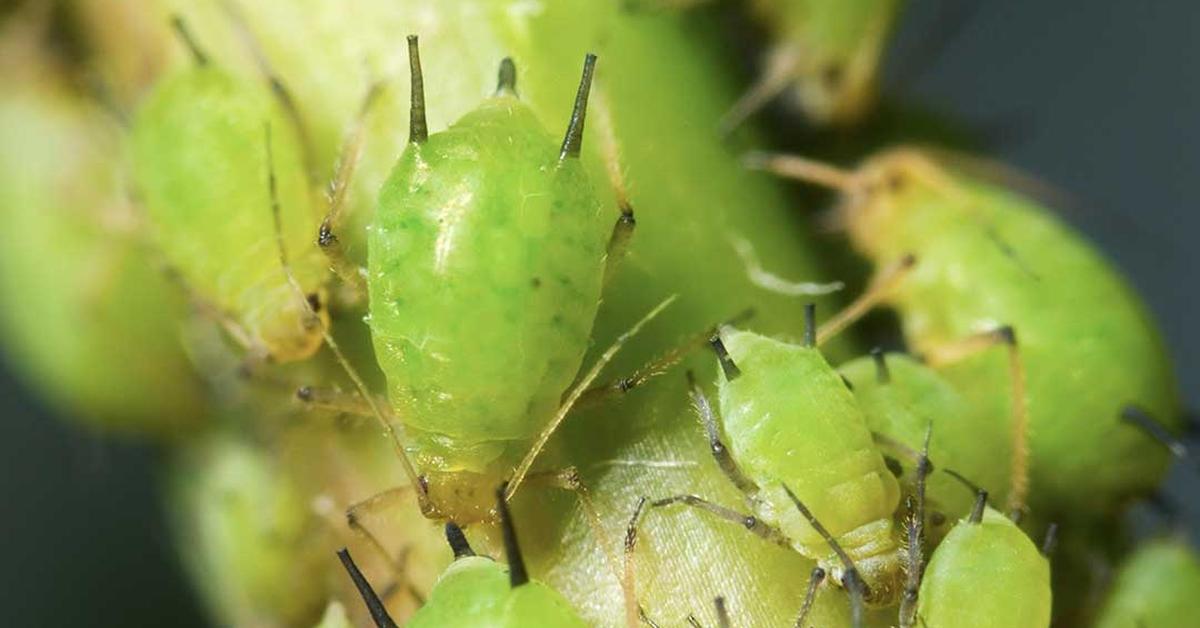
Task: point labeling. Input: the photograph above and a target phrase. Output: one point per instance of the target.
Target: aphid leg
(810, 595)
(781, 69)
(915, 539)
(396, 565)
(627, 574)
(339, 186)
(282, 94)
(708, 416)
(802, 169)
(335, 401)
(750, 522)
(880, 288)
(410, 471)
(188, 40)
(722, 612)
(374, 605)
(951, 353)
(1141, 419)
(656, 367)
(610, 152)
(981, 496)
(579, 389)
(256, 353)
(850, 578)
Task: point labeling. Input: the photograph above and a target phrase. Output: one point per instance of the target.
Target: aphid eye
(832, 75)
(896, 181)
(314, 302)
(750, 522)
(894, 466)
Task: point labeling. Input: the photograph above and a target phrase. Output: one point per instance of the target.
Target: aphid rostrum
(825, 55)
(990, 257)
(199, 168)
(478, 591)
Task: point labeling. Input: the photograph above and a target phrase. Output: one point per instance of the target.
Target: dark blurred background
(1097, 98)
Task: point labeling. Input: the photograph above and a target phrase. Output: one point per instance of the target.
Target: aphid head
(882, 198)
(288, 327)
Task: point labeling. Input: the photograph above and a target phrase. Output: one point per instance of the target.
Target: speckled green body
(474, 592)
(985, 575)
(486, 258)
(836, 48)
(88, 317)
(1159, 586)
(199, 155)
(790, 420)
(916, 397)
(988, 257)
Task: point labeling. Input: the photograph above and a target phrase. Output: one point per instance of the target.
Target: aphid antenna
(728, 367)
(708, 417)
(1050, 541)
(458, 541)
(810, 325)
(981, 495)
(851, 579)
(410, 471)
(810, 595)
(882, 285)
(184, 33)
(573, 141)
(418, 129)
(722, 612)
(1141, 419)
(778, 75)
(632, 610)
(517, 574)
(506, 79)
(882, 374)
(580, 388)
(375, 605)
(803, 169)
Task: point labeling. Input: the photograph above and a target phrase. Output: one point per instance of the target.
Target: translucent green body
(835, 46)
(985, 575)
(989, 257)
(1158, 586)
(964, 439)
(474, 592)
(200, 162)
(486, 258)
(88, 318)
(790, 420)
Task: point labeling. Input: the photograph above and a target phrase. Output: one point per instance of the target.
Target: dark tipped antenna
(458, 541)
(517, 575)
(810, 324)
(506, 82)
(418, 129)
(722, 612)
(814, 580)
(728, 367)
(981, 496)
(1140, 418)
(1050, 542)
(573, 142)
(375, 606)
(882, 374)
(851, 579)
(185, 36)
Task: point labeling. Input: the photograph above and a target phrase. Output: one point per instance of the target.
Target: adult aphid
(826, 54)
(199, 167)
(487, 255)
(990, 256)
(478, 591)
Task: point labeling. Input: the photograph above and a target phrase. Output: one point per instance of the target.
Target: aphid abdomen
(200, 155)
(486, 260)
(790, 420)
(987, 574)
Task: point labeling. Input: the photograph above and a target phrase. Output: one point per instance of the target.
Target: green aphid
(993, 266)
(1158, 586)
(478, 592)
(486, 260)
(202, 147)
(901, 398)
(986, 573)
(825, 55)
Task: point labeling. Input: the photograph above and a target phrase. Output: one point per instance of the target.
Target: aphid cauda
(1159, 586)
(988, 256)
(478, 591)
(826, 54)
(199, 165)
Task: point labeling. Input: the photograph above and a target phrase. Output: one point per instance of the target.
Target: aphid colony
(910, 485)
